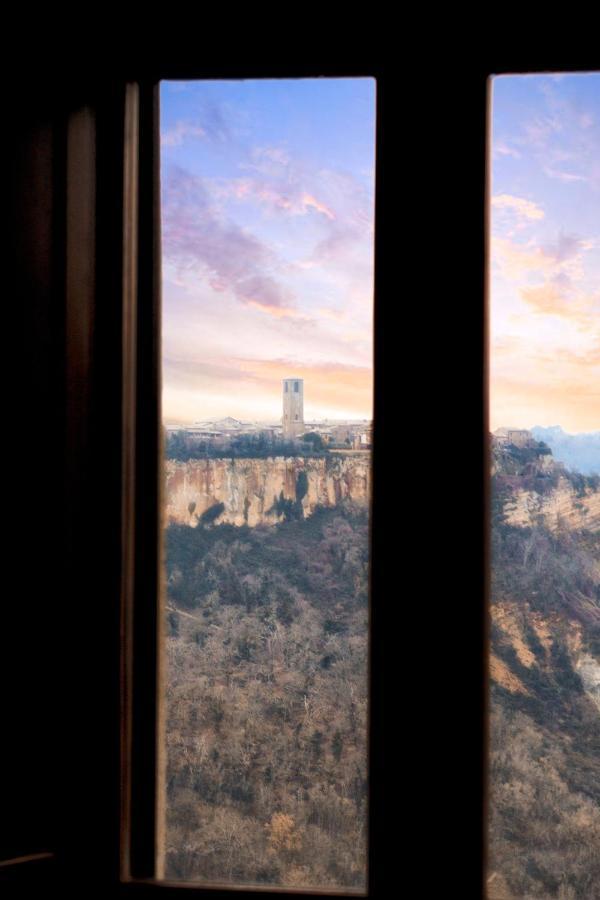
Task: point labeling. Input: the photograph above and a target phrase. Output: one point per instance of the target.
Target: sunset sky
(545, 252)
(267, 242)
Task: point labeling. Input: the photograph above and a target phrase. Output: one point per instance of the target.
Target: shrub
(210, 515)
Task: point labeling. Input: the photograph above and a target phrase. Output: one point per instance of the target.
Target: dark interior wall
(59, 666)
(34, 416)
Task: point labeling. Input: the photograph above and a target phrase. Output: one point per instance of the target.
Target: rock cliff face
(564, 506)
(249, 488)
(566, 499)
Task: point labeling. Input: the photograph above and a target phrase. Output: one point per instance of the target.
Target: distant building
(362, 440)
(519, 437)
(293, 408)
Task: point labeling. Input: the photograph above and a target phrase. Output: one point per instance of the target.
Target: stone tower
(293, 407)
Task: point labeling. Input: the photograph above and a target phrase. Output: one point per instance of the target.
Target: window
(544, 661)
(267, 603)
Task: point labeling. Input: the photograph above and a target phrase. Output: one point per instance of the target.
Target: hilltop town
(291, 429)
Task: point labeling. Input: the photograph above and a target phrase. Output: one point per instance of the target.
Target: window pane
(267, 236)
(544, 828)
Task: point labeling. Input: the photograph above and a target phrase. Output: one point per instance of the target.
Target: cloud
(563, 258)
(566, 246)
(326, 385)
(502, 149)
(176, 135)
(556, 298)
(526, 209)
(281, 197)
(532, 381)
(264, 293)
(344, 205)
(229, 258)
(560, 264)
(538, 132)
(210, 122)
(271, 161)
(518, 260)
(563, 176)
(564, 132)
(309, 200)
(215, 123)
(196, 374)
(545, 310)
(545, 298)
(336, 245)
(244, 387)
(573, 402)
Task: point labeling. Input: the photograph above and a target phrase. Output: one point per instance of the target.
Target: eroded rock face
(250, 488)
(562, 505)
(589, 672)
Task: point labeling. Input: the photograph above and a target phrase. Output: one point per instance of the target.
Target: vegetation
(243, 446)
(545, 727)
(210, 515)
(311, 437)
(267, 701)
(520, 467)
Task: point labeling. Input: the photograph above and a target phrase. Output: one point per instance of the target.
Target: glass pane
(544, 789)
(267, 235)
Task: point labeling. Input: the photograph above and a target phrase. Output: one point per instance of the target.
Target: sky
(545, 252)
(267, 208)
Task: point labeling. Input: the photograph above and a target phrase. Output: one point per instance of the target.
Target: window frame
(141, 623)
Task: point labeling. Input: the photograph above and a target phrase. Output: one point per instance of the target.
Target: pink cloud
(264, 293)
(286, 197)
(195, 235)
(180, 131)
(563, 258)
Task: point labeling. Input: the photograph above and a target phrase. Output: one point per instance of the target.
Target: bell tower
(293, 407)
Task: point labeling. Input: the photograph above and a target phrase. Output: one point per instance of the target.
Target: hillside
(544, 838)
(536, 487)
(267, 700)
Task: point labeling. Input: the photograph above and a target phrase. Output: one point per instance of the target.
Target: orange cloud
(327, 386)
(532, 385)
(309, 200)
(289, 199)
(516, 260)
(279, 312)
(549, 299)
(571, 404)
(545, 298)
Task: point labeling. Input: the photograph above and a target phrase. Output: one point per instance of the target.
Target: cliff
(249, 489)
(564, 506)
(536, 488)
(544, 678)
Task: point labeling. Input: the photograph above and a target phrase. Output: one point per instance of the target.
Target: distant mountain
(577, 451)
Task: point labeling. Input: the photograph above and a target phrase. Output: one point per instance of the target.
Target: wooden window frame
(143, 655)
